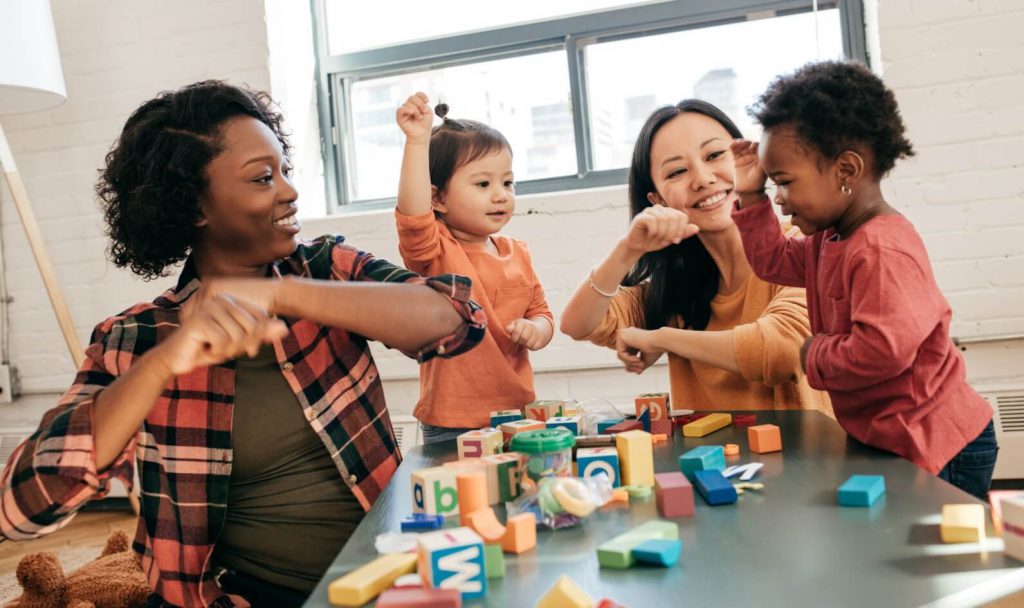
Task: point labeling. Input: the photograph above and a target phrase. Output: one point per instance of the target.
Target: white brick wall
(954, 64)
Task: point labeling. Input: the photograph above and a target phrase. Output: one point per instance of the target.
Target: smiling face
(248, 212)
(692, 170)
(480, 197)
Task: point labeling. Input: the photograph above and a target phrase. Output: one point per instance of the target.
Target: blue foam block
(861, 490)
(422, 521)
(658, 552)
(715, 488)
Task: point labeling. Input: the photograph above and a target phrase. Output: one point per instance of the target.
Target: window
(568, 89)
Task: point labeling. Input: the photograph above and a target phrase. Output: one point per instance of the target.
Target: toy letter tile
(764, 438)
(963, 523)
(434, 491)
(598, 461)
(861, 490)
(481, 442)
(453, 559)
(674, 495)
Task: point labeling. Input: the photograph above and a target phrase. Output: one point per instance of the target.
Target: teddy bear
(113, 580)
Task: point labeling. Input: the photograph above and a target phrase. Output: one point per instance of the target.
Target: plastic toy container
(548, 452)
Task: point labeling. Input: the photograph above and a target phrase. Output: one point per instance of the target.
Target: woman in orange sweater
(678, 282)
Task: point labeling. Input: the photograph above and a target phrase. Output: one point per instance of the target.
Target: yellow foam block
(962, 523)
(565, 593)
(366, 582)
(636, 458)
(707, 424)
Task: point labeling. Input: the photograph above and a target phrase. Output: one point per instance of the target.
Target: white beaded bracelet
(594, 286)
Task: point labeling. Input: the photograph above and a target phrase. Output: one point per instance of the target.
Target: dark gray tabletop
(788, 545)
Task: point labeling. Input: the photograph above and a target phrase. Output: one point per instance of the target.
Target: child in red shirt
(881, 344)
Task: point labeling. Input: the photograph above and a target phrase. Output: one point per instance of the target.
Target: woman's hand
(415, 118)
(217, 328)
(636, 348)
(750, 177)
(658, 227)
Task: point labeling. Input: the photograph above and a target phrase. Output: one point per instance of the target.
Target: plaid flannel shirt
(184, 446)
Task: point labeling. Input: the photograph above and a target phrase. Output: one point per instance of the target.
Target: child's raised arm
(415, 119)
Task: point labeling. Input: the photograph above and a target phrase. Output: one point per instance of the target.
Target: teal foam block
(702, 458)
(861, 490)
(658, 552)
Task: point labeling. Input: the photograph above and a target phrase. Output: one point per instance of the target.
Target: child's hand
(750, 177)
(525, 332)
(415, 118)
(658, 227)
(636, 349)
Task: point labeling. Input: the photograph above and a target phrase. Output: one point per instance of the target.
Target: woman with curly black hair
(881, 344)
(247, 393)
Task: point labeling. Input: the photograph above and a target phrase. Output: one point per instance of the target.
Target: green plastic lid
(545, 440)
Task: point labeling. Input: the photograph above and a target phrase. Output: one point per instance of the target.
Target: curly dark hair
(155, 173)
(836, 106)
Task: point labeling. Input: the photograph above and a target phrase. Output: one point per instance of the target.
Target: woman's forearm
(711, 347)
(587, 307)
(406, 317)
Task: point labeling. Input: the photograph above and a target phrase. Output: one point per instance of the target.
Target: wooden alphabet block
(453, 559)
(599, 461)
(570, 422)
(500, 417)
(434, 491)
(478, 443)
(657, 403)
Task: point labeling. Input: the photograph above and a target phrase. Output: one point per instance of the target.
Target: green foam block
(617, 553)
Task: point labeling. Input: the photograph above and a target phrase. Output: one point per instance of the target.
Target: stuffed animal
(113, 580)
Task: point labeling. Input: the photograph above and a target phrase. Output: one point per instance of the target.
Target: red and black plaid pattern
(184, 447)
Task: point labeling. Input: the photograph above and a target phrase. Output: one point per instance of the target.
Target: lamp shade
(30, 71)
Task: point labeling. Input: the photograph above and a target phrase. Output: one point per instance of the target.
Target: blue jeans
(437, 434)
(971, 469)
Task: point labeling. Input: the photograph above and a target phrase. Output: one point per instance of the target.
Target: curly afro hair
(836, 106)
(155, 174)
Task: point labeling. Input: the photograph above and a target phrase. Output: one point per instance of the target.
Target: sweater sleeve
(626, 310)
(419, 240)
(768, 350)
(893, 309)
(773, 256)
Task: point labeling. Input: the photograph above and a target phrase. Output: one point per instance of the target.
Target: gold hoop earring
(846, 189)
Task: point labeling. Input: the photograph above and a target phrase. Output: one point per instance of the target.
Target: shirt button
(352, 479)
(287, 366)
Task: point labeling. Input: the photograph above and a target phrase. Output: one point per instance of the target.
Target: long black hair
(684, 277)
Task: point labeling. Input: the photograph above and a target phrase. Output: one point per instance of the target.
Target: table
(789, 545)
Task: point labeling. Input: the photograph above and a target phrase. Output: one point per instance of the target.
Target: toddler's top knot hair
(441, 110)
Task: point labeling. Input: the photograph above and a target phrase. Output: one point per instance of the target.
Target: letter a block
(434, 491)
(481, 442)
(598, 461)
(453, 559)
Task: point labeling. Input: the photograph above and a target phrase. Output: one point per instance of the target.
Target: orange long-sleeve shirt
(463, 391)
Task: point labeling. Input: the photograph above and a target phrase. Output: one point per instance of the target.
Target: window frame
(572, 34)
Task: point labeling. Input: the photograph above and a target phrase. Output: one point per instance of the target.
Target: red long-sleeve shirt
(881, 347)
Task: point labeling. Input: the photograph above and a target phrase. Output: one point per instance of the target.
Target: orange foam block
(485, 523)
(764, 438)
(472, 489)
(520, 533)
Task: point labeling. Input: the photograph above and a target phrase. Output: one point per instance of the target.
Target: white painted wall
(957, 68)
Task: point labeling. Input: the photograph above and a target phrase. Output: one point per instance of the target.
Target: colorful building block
(861, 490)
(571, 408)
(366, 582)
(453, 559)
(420, 597)
(636, 458)
(1013, 527)
(509, 429)
(658, 552)
(656, 403)
(434, 491)
(421, 521)
(494, 560)
(569, 422)
(479, 443)
(707, 424)
(674, 495)
(520, 533)
(714, 488)
(764, 438)
(542, 410)
(645, 420)
(617, 553)
(599, 461)
(565, 593)
(625, 425)
(500, 417)
(661, 427)
(504, 476)
(606, 423)
(963, 523)
(702, 458)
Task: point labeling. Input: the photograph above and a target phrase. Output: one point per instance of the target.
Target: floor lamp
(31, 80)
